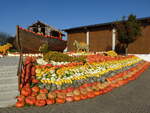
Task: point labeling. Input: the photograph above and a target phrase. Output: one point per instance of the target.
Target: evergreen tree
(128, 31)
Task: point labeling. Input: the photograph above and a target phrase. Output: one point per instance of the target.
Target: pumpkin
(25, 91)
(60, 100)
(40, 103)
(61, 95)
(76, 92)
(94, 87)
(96, 93)
(21, 86)
(70, 89)
(50, 101)
(89, 89)
(83, 97)
(57, 91)
(83, 91)
(51, 95)
(27, 85)
(90, 94)
(34, 94)
(44, 90)
(33, 71)
(81, 87)
(77, 97)
(101, 92)
(35, 81)
(69, 94)
(30, 100)
(20, 98)
(63, 91)
(41, 96)
(20, 104)
(69, 99)
(35, 89)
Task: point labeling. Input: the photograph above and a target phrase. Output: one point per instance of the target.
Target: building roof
(110, 24)
(49, 26)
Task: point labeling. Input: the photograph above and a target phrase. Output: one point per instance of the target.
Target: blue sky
(67, 13)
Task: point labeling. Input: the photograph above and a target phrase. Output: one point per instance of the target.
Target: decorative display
(52, 82)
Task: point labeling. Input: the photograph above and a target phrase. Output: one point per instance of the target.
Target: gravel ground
(133, 97)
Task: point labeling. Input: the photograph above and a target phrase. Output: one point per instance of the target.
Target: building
(102, 37)
(40, 27)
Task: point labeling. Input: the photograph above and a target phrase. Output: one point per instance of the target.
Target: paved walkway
(133, 97)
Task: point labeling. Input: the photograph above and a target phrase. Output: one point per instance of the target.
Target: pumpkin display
(20, 104)
(40, 103)
(39, 93)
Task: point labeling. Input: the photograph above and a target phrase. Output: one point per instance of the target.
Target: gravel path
(133, 97)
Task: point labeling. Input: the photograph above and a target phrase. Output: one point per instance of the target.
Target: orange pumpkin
(20, 104)
(20, 98)
(40, 103)
(35, 81)
(50, 101)
(25, 91)
(96, 93)
(34, 94)
(90, 94)
(70, 89)
(83, 97)
(30, 100)
(21, 86)
(64, 91)
(69, 99)
(35, 89)
(60, 100)
(61, 95)
(44, 90)
(27, 85)
(41, 96)
(51, 95)
(77, 97)
(33, 71)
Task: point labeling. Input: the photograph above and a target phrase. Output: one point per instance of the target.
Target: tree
(3, 37)
(127, 31)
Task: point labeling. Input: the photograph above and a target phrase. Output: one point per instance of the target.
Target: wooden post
(20, 59)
